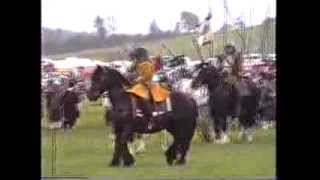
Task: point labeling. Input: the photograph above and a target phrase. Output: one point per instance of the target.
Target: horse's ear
(99, 68)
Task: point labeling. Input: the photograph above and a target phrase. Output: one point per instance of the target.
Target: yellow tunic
(146, 70)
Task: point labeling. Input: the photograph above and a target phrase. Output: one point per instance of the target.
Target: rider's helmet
(72, 83)
(229, 49)
(139, 54)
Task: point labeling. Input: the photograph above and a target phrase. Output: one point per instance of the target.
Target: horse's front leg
(221, 129)
(128, 159)
(248, 122)
(117, 152)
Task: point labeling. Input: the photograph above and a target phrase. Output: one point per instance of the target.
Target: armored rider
(233, 60)
(149, 92)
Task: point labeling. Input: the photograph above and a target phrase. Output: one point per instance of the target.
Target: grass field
(86, 152)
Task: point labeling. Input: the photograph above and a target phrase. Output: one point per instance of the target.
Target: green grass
(86, 152)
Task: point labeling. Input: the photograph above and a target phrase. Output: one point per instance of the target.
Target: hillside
(183, 45)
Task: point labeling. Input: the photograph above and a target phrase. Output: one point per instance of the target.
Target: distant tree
(188, 20)
(177, 29)
(154, 28)
(269, 20)
(101, 30)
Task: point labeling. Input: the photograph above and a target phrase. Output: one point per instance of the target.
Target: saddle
(142, 96)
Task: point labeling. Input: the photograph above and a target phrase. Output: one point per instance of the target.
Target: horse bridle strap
(134, 106)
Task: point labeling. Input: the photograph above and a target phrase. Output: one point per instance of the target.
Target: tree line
(60, 41)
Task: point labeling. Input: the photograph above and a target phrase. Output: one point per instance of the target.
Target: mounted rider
(234, 61)
(150, 92)
(231, 62)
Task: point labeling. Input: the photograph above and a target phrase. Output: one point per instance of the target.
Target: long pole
(197, 47)
(225, 30)
(265, 34)
(54, 151)
(170, 52)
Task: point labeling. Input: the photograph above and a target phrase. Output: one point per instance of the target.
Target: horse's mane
(209, 67)
(118, 76)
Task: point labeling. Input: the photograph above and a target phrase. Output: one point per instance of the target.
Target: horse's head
(207, 74)
(103, 79)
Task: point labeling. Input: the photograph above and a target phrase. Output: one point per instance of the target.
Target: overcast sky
(135, 16)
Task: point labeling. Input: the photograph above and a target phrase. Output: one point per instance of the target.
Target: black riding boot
(150, 109)
(149, 117)
(147, 111)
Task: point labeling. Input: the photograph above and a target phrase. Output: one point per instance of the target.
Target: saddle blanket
(159, 109)
(159, 93)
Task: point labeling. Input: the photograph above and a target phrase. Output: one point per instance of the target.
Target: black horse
(71, 111)
(180, 122)
(61, 105)
(267, 106)
(53, 95)
(222, 101)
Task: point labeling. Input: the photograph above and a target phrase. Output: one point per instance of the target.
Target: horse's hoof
(114, 164)
(169, 159)
(129, 161)
(170, 163)
(181, 162)
(129, 164)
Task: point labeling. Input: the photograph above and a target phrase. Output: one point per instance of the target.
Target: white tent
(272, 56)
(46, 61)
(193, 63)
(101, 63)
(124, 63)
(121, 65)
(73, 62)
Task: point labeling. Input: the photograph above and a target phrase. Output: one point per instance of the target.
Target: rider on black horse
(233, 59)
(149, 92)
